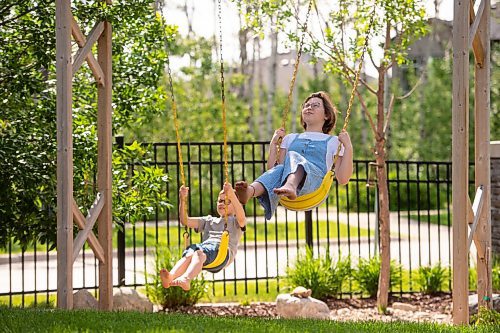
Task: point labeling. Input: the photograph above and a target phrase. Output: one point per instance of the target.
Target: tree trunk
(261, 95)
(251, 78)
(243, 39)
(384, 218)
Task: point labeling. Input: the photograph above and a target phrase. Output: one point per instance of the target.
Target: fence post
(309, 229)
(121, 233)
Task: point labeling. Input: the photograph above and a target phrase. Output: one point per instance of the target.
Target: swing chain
(176, 119)
(354, 86)
(294, 77)
(224, 126)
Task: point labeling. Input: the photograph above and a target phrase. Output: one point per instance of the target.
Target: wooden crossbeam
(475, 24)
(91, 60)
(82, 223)
(90, 220)
(84, 51)
(477, 45)
(476, 209)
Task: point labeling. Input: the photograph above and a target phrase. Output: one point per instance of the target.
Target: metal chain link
(294, 77)
(224, 126)
(354, 86)
(176, 119)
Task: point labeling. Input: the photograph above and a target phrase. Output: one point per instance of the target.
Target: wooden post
(64, 78)
(67, 210)
(460, 160)
(482, 159)
(104, 176)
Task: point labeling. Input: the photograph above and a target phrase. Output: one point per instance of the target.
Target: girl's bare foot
(243, 191)
(183, 281)
(287, 191)
(165, 277)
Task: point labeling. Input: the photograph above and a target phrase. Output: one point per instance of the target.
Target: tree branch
(4, 23)
(414, 87)
(389, 111)
(373, 61)
(367, 113)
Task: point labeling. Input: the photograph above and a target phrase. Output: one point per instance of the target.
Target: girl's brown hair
(330, 111)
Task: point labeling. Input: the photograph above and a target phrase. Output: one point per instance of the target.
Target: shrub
(174, 296)
(322, 275)
(486, 317)
(431, 278)
(495, 274)
(367, 274)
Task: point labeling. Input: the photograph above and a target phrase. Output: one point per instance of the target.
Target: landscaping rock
(288, 306)
(128, 299)
(404, 306)
(83, 299)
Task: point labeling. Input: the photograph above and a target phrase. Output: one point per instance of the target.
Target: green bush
(366, 274)
(322, 275)
(486, 317)
(495, 274)
(174, 296)
(430, 279)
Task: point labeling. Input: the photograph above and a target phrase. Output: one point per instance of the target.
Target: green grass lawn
(42, 320)
(244, 293)
(441, 219)
(254, 231)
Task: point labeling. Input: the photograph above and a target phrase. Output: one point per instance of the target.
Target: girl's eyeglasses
(313, 105)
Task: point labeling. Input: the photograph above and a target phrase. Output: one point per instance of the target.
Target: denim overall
(310, 154)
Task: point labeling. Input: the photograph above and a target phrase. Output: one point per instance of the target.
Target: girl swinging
(303, 159)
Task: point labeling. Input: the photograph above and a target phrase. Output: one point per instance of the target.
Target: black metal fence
(346, 225)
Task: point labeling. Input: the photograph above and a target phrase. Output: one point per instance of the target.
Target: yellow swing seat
(313, 199)
(222, 253)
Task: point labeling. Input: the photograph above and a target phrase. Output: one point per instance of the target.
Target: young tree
(394, 25)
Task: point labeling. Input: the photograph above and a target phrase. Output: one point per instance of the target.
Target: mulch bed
(426, 308)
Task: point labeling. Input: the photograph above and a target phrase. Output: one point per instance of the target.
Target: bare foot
(287, 191)
(166, 278)
(243, 191)
(183, 281)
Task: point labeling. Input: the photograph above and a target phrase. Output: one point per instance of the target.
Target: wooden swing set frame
(470, 29)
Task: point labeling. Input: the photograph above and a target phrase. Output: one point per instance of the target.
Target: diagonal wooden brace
(477, 45)
(476, 209)
(91, 60)
(475, 24)
(84, 51)
(86, 225)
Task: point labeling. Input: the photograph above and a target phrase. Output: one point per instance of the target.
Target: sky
(205, 22)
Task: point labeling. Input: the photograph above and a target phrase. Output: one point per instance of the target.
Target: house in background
(437, 44)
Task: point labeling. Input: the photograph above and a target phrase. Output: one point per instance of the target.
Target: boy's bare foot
(165, 277)
(287, 191)
(243, 191)
(183, 281)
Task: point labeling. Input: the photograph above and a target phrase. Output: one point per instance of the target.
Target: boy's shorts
(210, 249)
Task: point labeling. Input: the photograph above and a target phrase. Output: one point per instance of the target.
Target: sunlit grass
(259, 232)
(441, 219)
(40, 320)
(245, 292)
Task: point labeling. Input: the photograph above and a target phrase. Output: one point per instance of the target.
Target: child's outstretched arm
(273, 149)
(344, 164)
(190, 222)
(238, 208)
